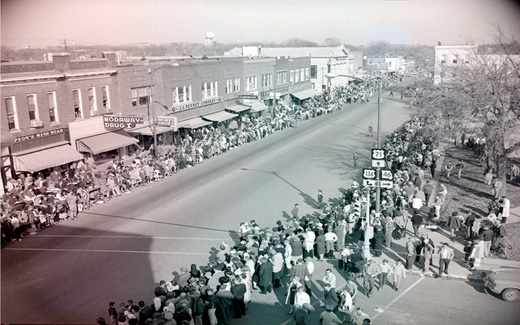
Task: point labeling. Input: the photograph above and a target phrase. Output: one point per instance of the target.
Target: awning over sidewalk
(45, 158)
(257, 106)
(104, 142)
(305, 94)
(219, 116)
(193, 123)
(147, 130)
(238, 108)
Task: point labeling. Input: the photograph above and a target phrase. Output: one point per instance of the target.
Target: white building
(210, 39)
(448, 58)
(330, 66)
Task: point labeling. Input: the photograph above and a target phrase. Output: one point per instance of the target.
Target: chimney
(439, 43)
(61, 61)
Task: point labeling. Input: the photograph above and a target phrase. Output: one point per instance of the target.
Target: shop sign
(116, 122)
(247, 96)
(197, 104)
(166, 121)
(38, 135)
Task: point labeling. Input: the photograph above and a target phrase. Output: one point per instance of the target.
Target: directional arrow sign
(378, 153)
(369, 182)
(387, 174)
(387, 184)
(378, 163)
(369, 173)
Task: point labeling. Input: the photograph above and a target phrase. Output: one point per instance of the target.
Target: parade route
(131, 236)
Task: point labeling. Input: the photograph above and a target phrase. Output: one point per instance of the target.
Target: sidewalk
(458, 269)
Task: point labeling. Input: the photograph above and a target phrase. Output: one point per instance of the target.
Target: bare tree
(332, 41)
(480, 96)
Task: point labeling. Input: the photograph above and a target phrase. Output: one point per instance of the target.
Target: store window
(297, 76)
(281, 77)
(51, 102)
(140, 96)
(92, 104)
(33, 109)
(106, 98)
(229, 86)
(302, 75)
(307, 77)
(267, 80)
(236, 85)
(76, 98)
(181, 94)
(251, 83)
(12, 118)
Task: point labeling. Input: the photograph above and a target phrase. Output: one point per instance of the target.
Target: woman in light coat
(398, 272)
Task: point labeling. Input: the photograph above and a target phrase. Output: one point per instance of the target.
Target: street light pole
(378, 188)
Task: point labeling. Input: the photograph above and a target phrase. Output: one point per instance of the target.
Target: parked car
(505, 283)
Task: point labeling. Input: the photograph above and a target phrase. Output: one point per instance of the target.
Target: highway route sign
(387, 174)
(369, 173)
(378, 154)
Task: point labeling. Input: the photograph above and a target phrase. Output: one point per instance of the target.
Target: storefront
(42, 151)
(299, 97)
(91, 138)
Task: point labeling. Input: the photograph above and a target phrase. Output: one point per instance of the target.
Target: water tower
(210, 39)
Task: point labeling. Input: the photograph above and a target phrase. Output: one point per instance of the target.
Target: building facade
(40, 99)
(448, 58)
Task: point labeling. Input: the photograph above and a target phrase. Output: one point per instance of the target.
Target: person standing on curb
(449, 168)
(506, 207)
(460, 167)
(497, 186)
(398, 272)
(446, 254)
(384, 270)
(410, 253)
(477, 253)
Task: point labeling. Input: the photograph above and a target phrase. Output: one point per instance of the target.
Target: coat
(320, 244)
(265, 274)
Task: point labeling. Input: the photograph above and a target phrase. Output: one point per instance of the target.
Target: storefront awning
(147, 130)
(301, 95)
(193, 123)
(257, 106)
(219, 116)
(46, 158)
(238, 108)
(104, 142)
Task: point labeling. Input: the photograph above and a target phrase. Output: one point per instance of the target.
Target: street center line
(132, 237)
(399, 297)
(101, 251)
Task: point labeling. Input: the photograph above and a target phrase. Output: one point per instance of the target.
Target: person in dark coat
(238, 290)
(224, 302)
(378, 241)
(265, 275)
(330, 298)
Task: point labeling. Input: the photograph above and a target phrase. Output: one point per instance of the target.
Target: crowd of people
(35, 201)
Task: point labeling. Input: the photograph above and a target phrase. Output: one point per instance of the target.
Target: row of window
(36, 112)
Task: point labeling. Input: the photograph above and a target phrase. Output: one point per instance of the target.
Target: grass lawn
(470, 194)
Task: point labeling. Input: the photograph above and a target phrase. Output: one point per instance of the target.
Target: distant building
(448, 58)
(330, 66)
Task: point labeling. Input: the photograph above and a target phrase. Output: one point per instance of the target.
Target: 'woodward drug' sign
(115, 122)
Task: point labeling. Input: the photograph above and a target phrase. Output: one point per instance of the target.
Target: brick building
(39, 101)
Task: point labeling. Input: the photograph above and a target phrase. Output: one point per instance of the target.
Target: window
(181, 94)
(106, 98)
(92, 105)
(236, 85)
(454, 61)
(251, 83)
(281, 77)
(51, 102)
(314, 71)
(209, 89)
(307, 73)
(33, 110)
(12, 119)
(267, 80)
(291, 76)
(229, 86)
(443, 61)
(140, 96)
(302, 75)
(76, 97)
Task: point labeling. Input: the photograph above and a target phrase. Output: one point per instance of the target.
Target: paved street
(118, 250)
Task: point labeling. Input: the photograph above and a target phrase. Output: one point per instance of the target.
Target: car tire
(510, 294)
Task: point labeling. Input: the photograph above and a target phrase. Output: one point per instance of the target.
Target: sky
(39, 23)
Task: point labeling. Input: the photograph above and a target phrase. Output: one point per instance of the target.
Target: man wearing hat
(265, 275)
(328, 317)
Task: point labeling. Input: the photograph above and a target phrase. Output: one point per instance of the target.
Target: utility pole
(378, 188)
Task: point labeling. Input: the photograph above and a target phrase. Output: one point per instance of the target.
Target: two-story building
(40, 102)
